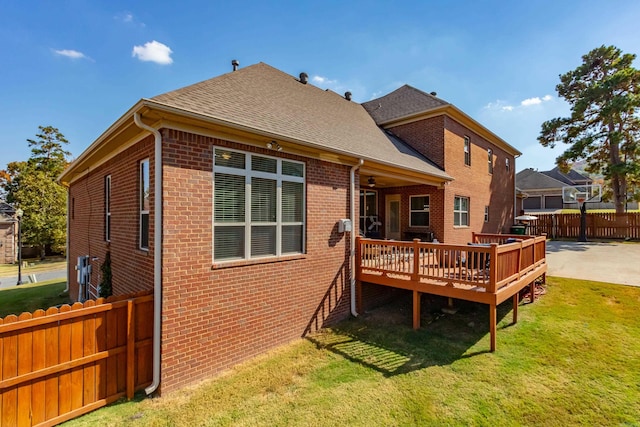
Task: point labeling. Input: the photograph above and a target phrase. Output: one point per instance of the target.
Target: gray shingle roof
(570, 178)
(265, 99)
(402, 102)
(529, 179)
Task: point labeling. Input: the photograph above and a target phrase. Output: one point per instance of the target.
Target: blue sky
(79, 65)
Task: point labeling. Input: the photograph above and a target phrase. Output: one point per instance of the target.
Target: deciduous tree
(32, 187)
(603, 129)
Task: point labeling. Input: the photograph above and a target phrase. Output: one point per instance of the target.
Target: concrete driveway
(612, 262)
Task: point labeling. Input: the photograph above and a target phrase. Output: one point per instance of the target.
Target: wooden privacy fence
(61, 363)
(600, 225)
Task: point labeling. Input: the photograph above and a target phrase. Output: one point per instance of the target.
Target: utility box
(344, 225)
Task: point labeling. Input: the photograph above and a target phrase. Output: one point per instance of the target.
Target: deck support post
(416, 310)
(516, 300)
(532, 290)
(493, 316)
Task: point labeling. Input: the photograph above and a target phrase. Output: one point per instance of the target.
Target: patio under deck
(488, 270)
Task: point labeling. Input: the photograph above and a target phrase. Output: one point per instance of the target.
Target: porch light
(371, 181)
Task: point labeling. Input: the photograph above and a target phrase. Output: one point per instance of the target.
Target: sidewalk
(9, 282)
(612, 262)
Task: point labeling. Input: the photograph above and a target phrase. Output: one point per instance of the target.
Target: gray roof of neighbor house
(530, 179)
(264, 99)
(402, 102)
(6, 212)
(570, 178)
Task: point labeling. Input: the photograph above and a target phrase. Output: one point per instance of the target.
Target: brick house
(544, 188)
(228, 197)
(8, 234)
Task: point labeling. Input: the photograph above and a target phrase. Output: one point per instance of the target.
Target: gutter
(157, 252)
(352, 246)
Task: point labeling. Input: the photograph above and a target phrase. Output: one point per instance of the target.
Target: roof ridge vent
(347, 96)
(304, 78)
(235, 64)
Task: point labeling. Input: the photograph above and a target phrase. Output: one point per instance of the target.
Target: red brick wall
(441, 140)
(214, 318)
(475, 182)
(425, 136)
(436, 208)
(132, 268)
(8, 232)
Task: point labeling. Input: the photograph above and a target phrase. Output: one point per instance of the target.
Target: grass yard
(19, 299)
(572, 359)
(34, 266)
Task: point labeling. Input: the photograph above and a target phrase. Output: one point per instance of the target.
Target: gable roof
(403, 102)
(263, 99)
(570, 178)
(530, 179)
(6, 212)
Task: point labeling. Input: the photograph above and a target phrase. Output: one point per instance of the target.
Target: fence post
(131, 348)
(416, 260)
(493, 268)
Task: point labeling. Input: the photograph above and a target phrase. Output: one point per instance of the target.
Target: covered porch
(490, 269)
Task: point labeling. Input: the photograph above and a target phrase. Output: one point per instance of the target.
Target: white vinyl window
(460, 211)
(107, 208)
(259, 206)
(490, 160)
(419, 211)
(144, 204)
(486, 214)
(507, 164)
(467, 151)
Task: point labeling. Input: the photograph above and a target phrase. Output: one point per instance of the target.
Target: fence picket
(88, 349)
(77, 345)
(64, 396)
(10, 370)
(25, 358)
(38, 413)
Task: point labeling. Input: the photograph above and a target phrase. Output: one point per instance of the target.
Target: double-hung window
(467, 151)
(144, 204)
(258, 206)
(419, 211)
(490, 160)
(460, 211)
(107, 208)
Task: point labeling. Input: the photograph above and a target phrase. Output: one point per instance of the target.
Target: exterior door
(392, 217)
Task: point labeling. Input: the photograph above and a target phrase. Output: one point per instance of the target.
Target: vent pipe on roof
(304, 78)
(347, 96)
(434, 93)
(235, 64)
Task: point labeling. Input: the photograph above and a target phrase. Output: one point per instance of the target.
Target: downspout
(515, 191)
(157, 252)
(352, 246)
(67, 238)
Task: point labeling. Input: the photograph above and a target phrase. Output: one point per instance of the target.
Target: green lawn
(572, 359)
(29, 298)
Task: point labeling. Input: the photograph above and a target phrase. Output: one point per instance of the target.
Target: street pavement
(613, 262)
(9, 282)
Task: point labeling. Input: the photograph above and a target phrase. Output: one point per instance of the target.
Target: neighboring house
(544, 189)
(230, 198)
(8, 234)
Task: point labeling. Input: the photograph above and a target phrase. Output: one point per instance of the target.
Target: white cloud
(499, 105)
(153, 51)
(70, 53)
(547, 98)
(128, 18)
(531, 101)
(323, 80)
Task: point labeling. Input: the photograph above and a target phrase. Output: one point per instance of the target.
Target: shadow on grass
(383, 339)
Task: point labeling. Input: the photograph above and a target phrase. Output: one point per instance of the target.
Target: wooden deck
(488, 270)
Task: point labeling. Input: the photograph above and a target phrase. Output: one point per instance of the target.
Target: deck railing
(488, 262)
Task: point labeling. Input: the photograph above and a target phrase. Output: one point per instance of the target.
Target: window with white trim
(460, 211)
(490, 159)
(107, 208)
(419, 211)
(486, 214)
(144, 204)
(259, 206)
(507, 164)
(467, 151)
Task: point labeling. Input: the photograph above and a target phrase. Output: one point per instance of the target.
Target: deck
(489, 270)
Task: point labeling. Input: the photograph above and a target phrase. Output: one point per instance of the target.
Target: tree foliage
(32, 187)
(604, 127)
